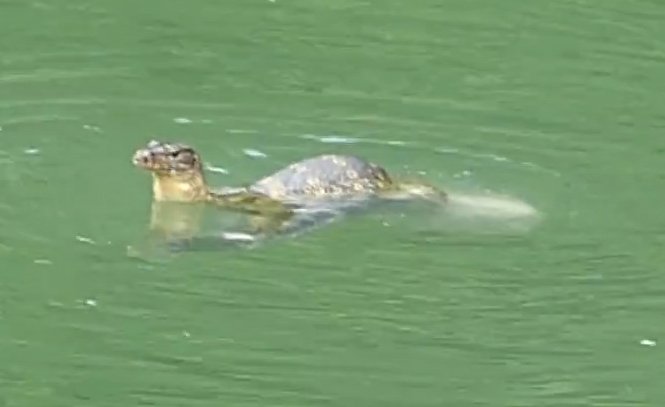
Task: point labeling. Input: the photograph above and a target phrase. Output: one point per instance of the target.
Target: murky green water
(558, 105)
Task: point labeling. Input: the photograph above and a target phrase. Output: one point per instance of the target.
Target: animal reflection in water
(294, 199)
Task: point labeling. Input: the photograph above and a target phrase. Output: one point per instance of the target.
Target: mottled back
(322, 176)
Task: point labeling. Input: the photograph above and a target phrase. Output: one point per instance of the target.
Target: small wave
(45, 75)
(338, 139)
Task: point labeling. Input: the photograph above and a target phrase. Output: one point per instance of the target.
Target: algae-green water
(541, 284)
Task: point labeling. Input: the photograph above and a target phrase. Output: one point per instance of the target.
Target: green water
(556, 104)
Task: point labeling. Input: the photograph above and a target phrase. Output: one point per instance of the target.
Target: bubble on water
(241, 131)
(250, 152)
(92, 128)
(338, 139)
(494, 157)
(334, 139)
(84, 239)
(238, 236)
(446, 150)
(218, 170)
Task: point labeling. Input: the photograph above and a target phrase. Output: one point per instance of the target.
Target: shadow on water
(179, 228)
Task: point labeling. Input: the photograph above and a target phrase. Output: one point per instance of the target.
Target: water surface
(554, 105)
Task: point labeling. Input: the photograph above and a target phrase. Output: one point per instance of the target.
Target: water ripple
(53, 74)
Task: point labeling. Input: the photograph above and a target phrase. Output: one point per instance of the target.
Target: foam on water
(490, 206)
(483, 213)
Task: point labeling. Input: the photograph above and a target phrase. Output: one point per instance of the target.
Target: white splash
(490, 206)
(238, 236)
(484, 213)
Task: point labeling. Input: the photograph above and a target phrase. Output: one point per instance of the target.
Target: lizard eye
(186, 156)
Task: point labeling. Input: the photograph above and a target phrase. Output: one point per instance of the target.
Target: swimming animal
(178, 178)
